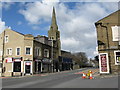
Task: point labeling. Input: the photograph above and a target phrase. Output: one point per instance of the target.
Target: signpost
(103, 63)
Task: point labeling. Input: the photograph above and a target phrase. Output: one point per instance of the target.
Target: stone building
(17, 53)
(108, 38)
(22, 54)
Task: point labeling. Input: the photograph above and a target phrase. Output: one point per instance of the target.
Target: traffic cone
(90, 76)
(84, 75)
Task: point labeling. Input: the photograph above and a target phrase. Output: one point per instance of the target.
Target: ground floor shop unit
(109, 61)
(42, 66)
(16, 66)
(47, 65)
(65, 63)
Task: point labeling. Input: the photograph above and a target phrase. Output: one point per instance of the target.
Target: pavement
(95, 73)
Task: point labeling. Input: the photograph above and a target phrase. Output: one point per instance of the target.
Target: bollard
(90, 76)
(84, 75)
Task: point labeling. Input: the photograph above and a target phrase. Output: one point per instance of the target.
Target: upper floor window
(28, 51)
(38, 51)
(9, 51)
(6, 39)
(115, 33)
(46, 53)
(17, 51)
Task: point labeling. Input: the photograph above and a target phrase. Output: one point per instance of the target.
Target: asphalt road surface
(67, 79)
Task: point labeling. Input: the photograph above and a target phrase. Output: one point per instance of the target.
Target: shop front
(28, 67)
(17, 66)
(65, 63)
(38, 66)
(46, 65)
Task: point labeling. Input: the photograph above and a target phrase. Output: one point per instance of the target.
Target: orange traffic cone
(84, 75)
(90, 76)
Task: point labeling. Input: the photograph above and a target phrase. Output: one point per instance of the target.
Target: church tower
(54, 34)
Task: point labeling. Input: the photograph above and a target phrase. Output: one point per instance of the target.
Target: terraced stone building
(108, 38)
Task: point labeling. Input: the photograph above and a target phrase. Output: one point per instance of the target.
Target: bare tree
(79, 58)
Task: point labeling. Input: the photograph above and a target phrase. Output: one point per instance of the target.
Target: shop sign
(28, 63)
(17, 59)
(113, 47)
(103, 63)
(37, 60)
(8, 60)
(45, 60)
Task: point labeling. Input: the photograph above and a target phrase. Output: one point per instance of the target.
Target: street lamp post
(52, 56)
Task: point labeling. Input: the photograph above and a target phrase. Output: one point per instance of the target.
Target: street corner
(4, 77)
(78, 73)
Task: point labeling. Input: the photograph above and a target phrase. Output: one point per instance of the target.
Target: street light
(52, 65)
(52, 55)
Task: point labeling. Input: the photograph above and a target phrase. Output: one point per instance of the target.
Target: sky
(75, 21)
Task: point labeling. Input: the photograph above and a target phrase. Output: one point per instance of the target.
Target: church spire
(54, 22)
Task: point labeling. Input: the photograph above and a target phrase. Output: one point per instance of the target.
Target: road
(67, 79)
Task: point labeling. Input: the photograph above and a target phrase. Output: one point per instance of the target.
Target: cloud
(19, 23)
(7, 5)
(37, 12)
(76, 25)
(2, 25)
(35, 28)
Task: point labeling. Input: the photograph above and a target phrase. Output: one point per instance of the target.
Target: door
(27, 69)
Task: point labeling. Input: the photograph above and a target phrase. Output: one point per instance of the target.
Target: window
(17, 67)
(115, 33)
(46, 53)
(38, 51)
(18, 51)
(28, 51)
(117, 57)
(9, 51)
(6, 39)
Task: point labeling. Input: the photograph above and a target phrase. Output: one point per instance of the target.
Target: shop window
(17, 67)
(18, 51)
(9, 51)
(117, 57)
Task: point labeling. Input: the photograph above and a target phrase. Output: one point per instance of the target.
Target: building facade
(22, 54)
(17, 52)
(108, 38)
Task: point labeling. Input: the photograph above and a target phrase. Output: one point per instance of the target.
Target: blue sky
(75, 21)
(17, 22)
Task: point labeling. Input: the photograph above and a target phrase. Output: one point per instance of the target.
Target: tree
(81, 58)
